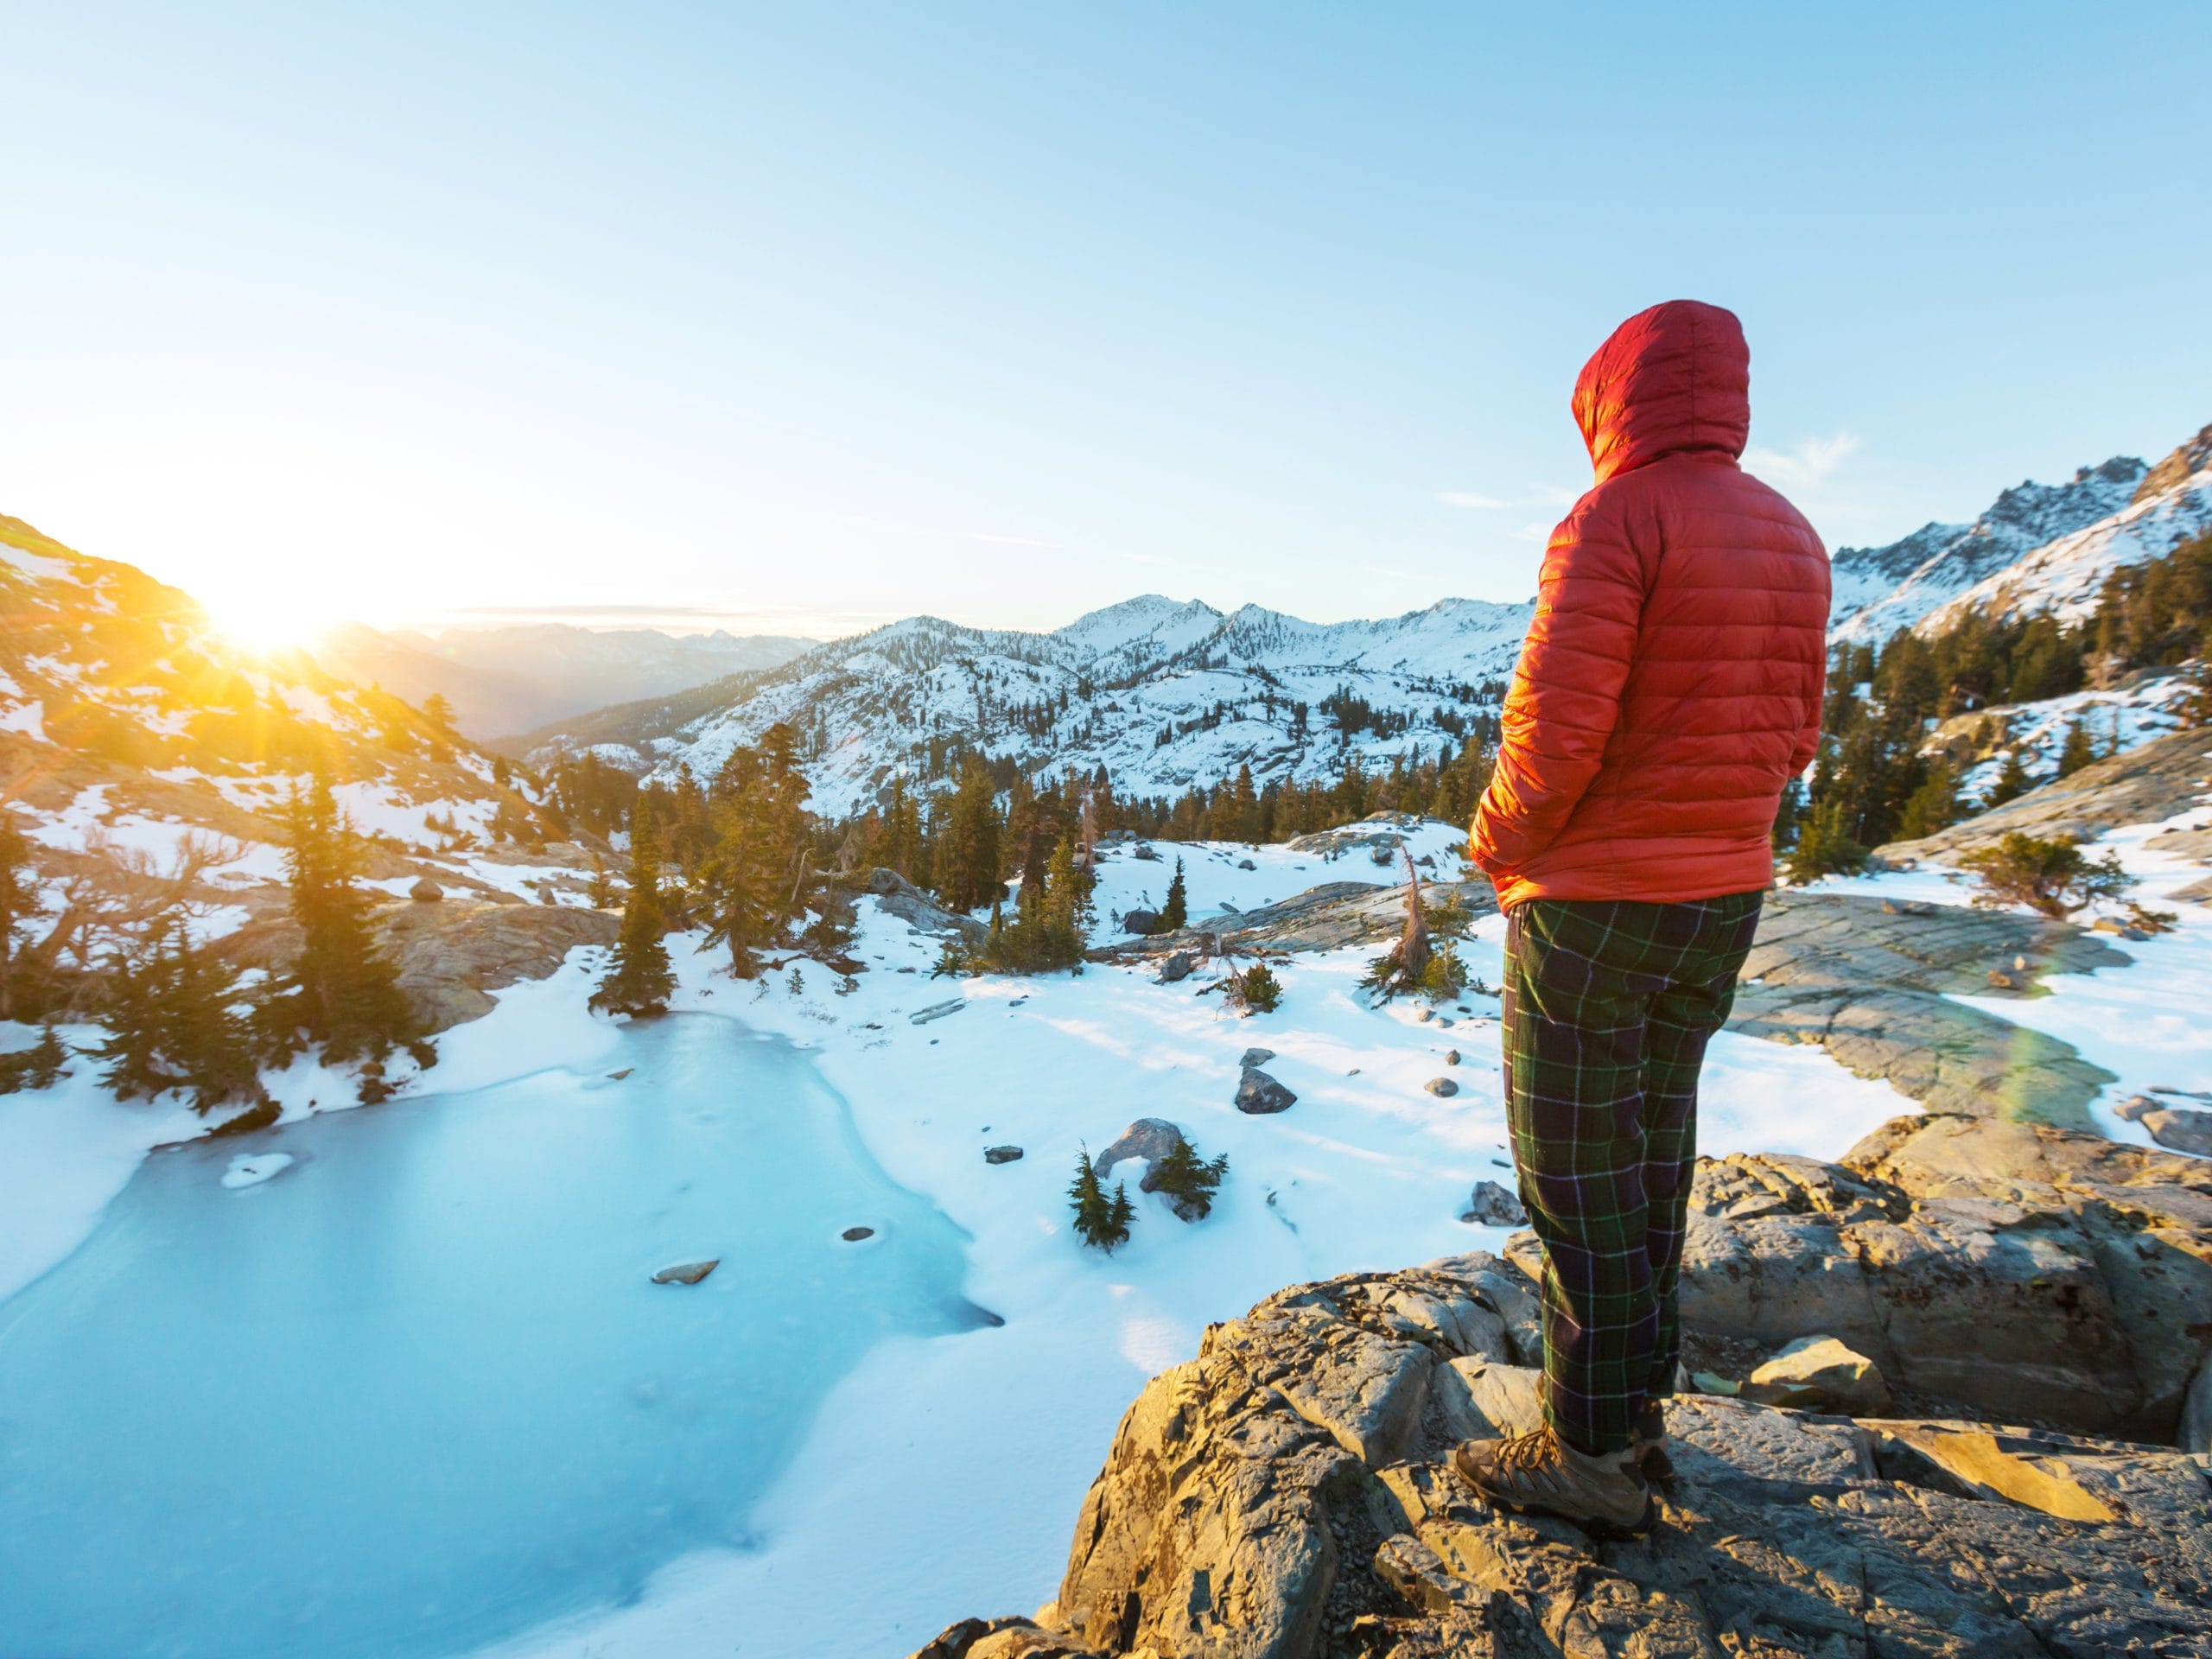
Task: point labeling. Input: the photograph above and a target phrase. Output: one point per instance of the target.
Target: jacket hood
(1670, 380)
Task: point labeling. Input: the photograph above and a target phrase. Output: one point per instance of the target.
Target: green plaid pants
(1608, 1008)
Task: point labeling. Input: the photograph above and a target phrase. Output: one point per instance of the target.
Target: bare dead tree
(116, 897)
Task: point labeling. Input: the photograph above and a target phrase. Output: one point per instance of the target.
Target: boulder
(687, 1272)
(1287, 1495)
(427, 891)
(2181, 1129)
(1246, 864)
(1181, 965)
(1442, 1087)
(1149, 1138)
(1002, 1154)
(1256, 1057)
(1145, 851)
(2023, 1272)
(1140, 921)
(898, 897)
(1259, 1094)
(1492, 1205)
(1821, 1371)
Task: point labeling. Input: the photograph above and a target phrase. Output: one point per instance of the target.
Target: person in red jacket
(1669, 690)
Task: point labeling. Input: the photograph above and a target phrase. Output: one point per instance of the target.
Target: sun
(273, 621)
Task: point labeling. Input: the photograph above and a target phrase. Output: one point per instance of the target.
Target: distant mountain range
(504, 680)
(1165, 694)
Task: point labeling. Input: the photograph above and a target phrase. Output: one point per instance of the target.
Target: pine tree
(1190, 1181)
(1933, 806)
(2051, 877)
(342, 992)
(756, 873)
(438, 710)
(967, 856)
(1176, 911)
(2078, 751)
(18, 902)
(2012, 782)
(1101, 1223)
(173, 1023)
(639, 979)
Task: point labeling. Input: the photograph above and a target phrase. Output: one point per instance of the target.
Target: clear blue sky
(819, 315)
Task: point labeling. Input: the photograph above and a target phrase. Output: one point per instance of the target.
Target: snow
(2117, 719)
(29, 718)
(40, 566)
(1003, 1429)
(249, 1169)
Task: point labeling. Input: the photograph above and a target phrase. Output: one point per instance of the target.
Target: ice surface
(419, 1393)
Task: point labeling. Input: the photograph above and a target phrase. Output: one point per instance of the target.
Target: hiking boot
(1647, 1445)
(1604, 1493)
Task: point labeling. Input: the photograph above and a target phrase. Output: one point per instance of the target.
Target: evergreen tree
(1933, 806)
(1101, 1223)
(756, 873)
(1824, 846)
(342, 992)
(639, 979)
(1189, 1181)
(18, 903)
(1176, 913)
(2051, 877)
(438, 710)
(173, 1023)
(38, 1066)
(2012, 782)
(2078, 751)
(966, 859)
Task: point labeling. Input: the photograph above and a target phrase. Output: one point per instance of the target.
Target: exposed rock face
(1324, 917)
(1866, 980)
(451, 955)
(1285, 1495)
(2147, 785)
(1821, 1371)
(2019, 1271)
(901, 898)
(2185, 1128)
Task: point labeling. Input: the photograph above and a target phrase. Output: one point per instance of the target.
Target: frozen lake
(415, 1391)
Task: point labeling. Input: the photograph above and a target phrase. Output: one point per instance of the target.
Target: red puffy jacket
(1670, 683)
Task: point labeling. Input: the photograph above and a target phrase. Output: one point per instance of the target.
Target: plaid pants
(1608, 1008)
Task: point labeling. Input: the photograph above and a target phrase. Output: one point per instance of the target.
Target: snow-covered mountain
(501, 680)
(1167, 694)
(2039, 547)
(1164, 694)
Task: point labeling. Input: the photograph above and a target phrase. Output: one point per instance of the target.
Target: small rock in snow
(937, 1010)
(1259, 1094)
(853, 1235)
(1492, 1206)
(1001, 1154)
(426, 890)
(1257, 1056)
(1246, 864)
(250, 1169)
(687, 1272)
(1442, 1086)
(1149, 1138)
(1426, 1015)
(1178, 966)
(617, 1077)
(1450, 1057)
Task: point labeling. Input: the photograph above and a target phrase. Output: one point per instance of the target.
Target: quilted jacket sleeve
(1809, 736)
(1566, 698)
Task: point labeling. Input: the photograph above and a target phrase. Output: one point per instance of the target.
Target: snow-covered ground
(2116, 720)
(942, 1474)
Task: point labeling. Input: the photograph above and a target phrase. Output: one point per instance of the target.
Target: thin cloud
(1469, 499)
(1002, 541)
(1538, 495)
(1804, 465)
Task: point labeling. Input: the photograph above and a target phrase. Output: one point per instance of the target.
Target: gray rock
(1178, 966)
(1492, 1205)
(1821, 1371)
(1145, 851)
(1140, 921)
(1246, 864)
(1324, 917)
(1002, 1154)
(937, 1010)
(1442, 1087)
(1450, 1057)
(687, 1272)
(1257, 1057)
(1259, 1094)
(898, 897)
(1287, 1494)
(427, 891)
(1149, 1138)
(854, 1234)
(2181, 1129)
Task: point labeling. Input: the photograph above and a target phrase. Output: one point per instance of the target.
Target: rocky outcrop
(2002, 1268)
(452, 954)
(2146, 785)
(1868, 979)
(1324, 917)
(1286, 1494)
(898, 897)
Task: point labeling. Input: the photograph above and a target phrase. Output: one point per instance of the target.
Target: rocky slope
(1286, 1493)
(147, 759)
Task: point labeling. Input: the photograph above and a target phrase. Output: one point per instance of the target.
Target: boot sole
(1597, 1526)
